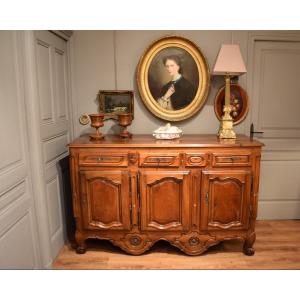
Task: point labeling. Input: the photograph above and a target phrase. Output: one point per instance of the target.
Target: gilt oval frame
(204, 78)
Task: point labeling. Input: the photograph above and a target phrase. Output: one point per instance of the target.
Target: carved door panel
(164, 200)
(225, 199)
(105, 199)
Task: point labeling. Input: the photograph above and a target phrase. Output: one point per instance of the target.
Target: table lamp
(229, 63)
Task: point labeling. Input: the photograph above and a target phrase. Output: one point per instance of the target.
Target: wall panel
(53, 205)
(44, 73)
(55, 147)
(19, 246)
(61, 84)
(16, 245)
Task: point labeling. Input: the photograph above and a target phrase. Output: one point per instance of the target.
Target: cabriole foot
(81, 249)
(249, 251)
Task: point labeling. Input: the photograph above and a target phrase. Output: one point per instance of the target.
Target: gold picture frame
(169, 95)
(109, 103)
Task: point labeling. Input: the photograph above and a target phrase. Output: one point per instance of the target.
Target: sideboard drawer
(228, 159)
(103, 159)
(196, 159)
(159, 160)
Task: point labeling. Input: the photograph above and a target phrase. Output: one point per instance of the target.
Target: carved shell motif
(195, 243)
(134, 243)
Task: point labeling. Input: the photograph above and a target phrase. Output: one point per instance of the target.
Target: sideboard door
(105, 199)
(164, 200)
(225, 199)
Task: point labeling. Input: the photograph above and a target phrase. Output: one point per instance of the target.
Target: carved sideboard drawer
(196, 159)
(159, 160)
(228, 159)
(103, 159)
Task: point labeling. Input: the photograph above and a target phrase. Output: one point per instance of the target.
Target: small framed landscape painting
(114, 102)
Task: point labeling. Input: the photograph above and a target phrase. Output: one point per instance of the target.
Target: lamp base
(226, 134)
(226, 125)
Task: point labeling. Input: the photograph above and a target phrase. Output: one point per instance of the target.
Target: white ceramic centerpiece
(167, 132)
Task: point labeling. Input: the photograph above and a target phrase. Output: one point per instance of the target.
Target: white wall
(108, 60)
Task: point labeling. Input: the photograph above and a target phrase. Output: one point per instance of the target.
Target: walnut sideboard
(193, 192)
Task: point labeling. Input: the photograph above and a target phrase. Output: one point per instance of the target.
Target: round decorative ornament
(238, 100)
(84, 119)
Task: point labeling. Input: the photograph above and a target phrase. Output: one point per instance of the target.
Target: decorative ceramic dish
(167, 132)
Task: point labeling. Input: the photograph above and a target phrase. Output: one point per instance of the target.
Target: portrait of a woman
(178, 92)
(173, 79)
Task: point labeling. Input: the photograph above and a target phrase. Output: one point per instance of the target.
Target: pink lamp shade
(229, 61)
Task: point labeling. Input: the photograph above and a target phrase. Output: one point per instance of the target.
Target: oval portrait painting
(173, 78)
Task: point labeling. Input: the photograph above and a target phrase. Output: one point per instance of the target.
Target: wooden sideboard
(193, 192)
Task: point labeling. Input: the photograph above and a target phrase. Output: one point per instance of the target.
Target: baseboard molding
(57, 243)
(278, 210)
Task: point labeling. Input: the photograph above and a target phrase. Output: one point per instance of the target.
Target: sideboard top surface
(145, 140)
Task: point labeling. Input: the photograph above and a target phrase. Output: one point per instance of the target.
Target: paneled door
(52, 114)
(225, 199)
(275, 110)
(164, 199)
(276, 88)
(105, 199)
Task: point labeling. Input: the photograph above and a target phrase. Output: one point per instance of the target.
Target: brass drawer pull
(106, 159)
(159, 159)
(238, 160)
(114, 159)
(167, 159)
